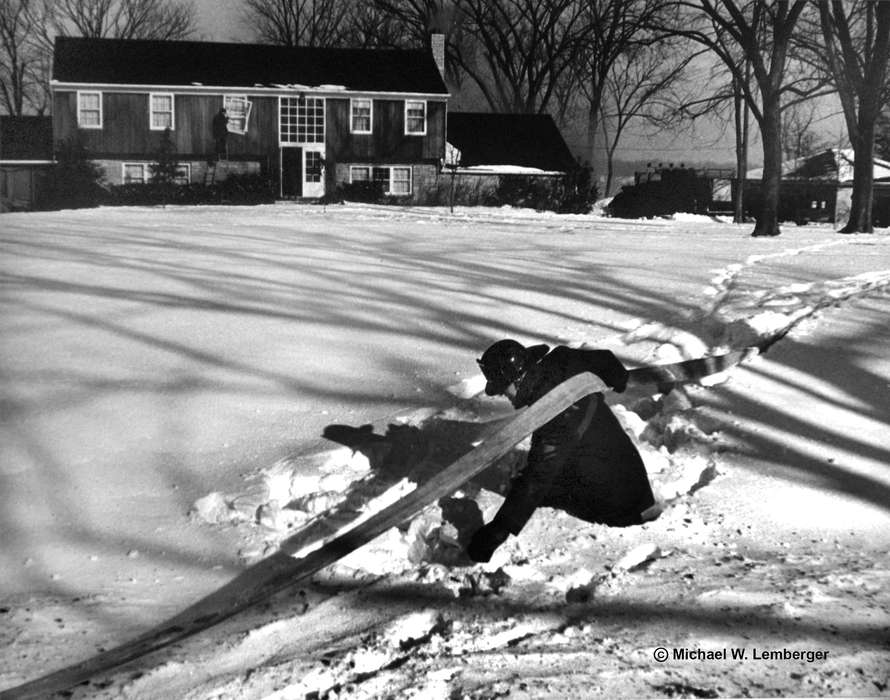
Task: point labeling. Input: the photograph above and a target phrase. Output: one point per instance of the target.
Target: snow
(505, 170)
(168, 375)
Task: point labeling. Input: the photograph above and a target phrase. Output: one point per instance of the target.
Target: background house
(505, 158)
(819, 187)
(26, 156)
(527, 142)
(310, 119)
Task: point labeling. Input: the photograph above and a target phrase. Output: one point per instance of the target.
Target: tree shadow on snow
(835, 371)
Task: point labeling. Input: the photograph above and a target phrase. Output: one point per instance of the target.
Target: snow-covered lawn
(151, 357)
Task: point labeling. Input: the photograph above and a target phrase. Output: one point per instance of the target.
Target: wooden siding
(388, 142)
(125, 128)
(125, 133)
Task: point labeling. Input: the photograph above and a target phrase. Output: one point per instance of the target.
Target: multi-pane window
(183, 174)
(400, 181)
(160, 111)
(140, 173)
(361, 116)
(359, 173)
(301, 120)
(415, 117)
(89, 110)
(381, 175)
(313, 166)
(396, 179)
(135, 173)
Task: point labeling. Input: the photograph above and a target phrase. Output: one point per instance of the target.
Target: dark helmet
(506, 362)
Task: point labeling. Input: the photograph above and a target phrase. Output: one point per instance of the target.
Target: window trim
(324, 121)
(353, 168)
(389, 181)
(146, 174)
(152, 112)
(227, 100)
(410, 170)
(80, 124)
(425, 117)
(127, 164)
(187, 175)
(352, 129)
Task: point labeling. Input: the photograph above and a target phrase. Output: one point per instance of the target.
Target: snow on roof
(506, 170)
(835, 165)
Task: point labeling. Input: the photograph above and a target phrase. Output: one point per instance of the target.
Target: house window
(361, 116)
(89, 110)
(140, 173)
(415, 117)
(400, 181)
(359, 173)
(160, 111)
(135, 173)
(183, 174)
(301, 120)
(313, 166)
(238, 111)
(396, 179)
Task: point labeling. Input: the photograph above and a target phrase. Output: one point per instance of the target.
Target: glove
(486, 539)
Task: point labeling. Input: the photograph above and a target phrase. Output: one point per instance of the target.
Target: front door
(292, 172)
(313, 173)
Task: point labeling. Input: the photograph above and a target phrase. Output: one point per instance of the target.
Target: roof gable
(189, 63)
(528, 140)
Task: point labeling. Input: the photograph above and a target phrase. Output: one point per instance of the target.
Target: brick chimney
(437, 46)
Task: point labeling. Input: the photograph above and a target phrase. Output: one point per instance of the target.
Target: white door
(313, 173)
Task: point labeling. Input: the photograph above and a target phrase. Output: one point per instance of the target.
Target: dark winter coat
(582, 461)
(220, 126)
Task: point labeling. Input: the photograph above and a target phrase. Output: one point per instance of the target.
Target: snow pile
(302, 510)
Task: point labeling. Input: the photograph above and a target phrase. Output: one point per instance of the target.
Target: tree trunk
(863, 135)
(862, 200)
(741, 153)
(771, 134)
(593, 121)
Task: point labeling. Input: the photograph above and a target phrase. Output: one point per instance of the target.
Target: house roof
(831, 165)
(187, 63)
(528, 140)
(26, 138)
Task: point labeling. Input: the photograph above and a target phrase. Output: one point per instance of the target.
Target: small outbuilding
(517, 158)
(26, 157)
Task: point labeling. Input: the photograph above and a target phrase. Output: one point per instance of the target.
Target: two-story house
(309, 118)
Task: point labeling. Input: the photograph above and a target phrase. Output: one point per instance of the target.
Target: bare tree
(517, 53)
(640, 88)
(726, 104)
(856, 44)
(798, 137)
(122, 19)
(301, 22)
(408, 23)
(520, 51)
(119, 19)
(14, 55)
(24, 64)
(609, 28)
(762, 31)
(882, 135)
